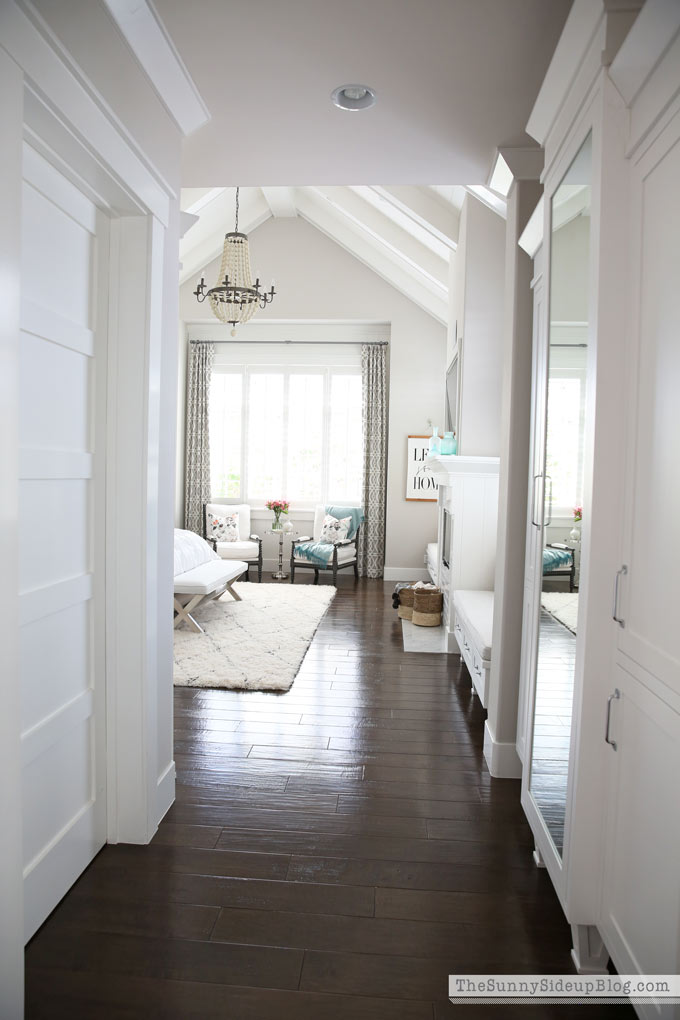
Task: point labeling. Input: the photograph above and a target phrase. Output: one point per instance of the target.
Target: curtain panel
(374, 423)
(197, 465)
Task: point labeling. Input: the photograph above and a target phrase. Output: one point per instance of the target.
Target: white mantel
(448, 467)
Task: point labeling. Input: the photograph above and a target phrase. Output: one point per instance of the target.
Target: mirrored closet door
(559, 493)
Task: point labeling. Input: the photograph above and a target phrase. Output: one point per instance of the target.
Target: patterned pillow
(333, 530)
(223, 529)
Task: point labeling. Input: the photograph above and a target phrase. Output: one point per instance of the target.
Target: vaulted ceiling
(404, 233)
(454, 80)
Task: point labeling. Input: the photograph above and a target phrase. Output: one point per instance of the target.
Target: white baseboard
(502, 758)
(406, 574)
(165, 790)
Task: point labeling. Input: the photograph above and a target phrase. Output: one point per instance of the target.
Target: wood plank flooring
(333, 854)
(552, 726)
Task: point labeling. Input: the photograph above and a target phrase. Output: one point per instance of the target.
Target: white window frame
(246, 371)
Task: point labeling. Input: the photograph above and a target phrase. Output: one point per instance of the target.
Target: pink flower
(279, 506)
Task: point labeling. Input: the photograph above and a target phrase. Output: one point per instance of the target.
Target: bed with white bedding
(200, 576)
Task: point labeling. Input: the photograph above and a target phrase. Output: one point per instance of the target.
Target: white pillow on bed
(191, 551)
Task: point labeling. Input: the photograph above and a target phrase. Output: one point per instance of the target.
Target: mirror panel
(563, 492)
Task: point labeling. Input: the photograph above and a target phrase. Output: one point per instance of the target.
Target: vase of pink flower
(278, 507)
(575, 533)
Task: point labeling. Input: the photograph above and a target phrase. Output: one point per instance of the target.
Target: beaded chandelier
(235, 298)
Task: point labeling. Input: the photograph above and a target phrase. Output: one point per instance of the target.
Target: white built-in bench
(472, 629)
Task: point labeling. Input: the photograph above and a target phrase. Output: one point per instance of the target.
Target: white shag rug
(563, 605)
(253, 645)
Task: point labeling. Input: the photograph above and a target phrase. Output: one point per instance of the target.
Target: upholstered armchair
(345, 553)
(559, 561)
(244, 548)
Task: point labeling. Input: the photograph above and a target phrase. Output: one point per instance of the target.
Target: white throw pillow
(333, 530)
(223, 529)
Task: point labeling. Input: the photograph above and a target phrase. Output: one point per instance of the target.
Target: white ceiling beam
(281, 201)
(489, 199)
(207, 196)
(425, 208)
(146, 36)
(431, 297)
(384, 232)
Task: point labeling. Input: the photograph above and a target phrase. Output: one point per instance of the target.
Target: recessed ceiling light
(353, 97)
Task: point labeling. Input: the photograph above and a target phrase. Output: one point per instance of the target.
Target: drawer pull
(612, 697)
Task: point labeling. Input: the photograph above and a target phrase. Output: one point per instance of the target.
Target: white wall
(317, 279)
(477, 303)
(569, 271)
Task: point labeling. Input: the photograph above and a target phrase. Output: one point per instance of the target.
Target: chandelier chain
(237, 191)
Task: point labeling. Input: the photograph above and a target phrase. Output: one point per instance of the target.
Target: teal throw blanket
(321, 553)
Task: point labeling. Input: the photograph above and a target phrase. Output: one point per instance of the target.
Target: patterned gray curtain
(197, 469)
(374, 422)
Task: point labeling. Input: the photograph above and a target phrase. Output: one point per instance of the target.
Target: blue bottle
(435, 440)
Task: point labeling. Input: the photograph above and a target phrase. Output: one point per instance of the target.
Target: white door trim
(45, 97)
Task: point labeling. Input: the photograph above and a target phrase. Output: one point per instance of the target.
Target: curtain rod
(301, 343)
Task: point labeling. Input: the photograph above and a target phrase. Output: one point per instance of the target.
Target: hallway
(334, 852)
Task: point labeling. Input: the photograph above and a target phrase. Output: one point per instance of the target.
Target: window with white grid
(288, 430)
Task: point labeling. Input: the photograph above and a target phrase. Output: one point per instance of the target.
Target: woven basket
(406, 596)
(427, 608)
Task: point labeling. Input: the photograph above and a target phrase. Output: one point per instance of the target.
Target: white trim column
(500, 729)
(134, 377)
(11, 871)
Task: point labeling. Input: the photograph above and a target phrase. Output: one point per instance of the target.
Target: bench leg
(231, 591)
(183, 613)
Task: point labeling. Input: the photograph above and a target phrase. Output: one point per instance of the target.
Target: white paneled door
(62, 532)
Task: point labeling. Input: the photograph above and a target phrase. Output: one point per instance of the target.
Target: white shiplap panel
(54, 403)
(52, 598)
(56, 253)
(37, 463)
(46, 323)
(54, 537)
(55, 660)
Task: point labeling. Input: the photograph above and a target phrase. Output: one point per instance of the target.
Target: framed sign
(421, 485)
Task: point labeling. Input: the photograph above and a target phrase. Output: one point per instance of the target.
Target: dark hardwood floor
(333, 854)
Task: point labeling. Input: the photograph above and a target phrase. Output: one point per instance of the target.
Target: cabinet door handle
(612, 697)
(550, 503)
(615, 609)
(533, 502)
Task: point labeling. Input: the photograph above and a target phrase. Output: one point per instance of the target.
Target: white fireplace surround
(468, 491)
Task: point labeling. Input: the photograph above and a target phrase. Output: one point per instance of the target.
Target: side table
(280, 575)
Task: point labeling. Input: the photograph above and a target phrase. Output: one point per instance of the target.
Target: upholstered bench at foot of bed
(202, 584)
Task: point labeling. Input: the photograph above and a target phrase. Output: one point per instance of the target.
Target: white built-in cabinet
(615, 864)
(641, 897)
